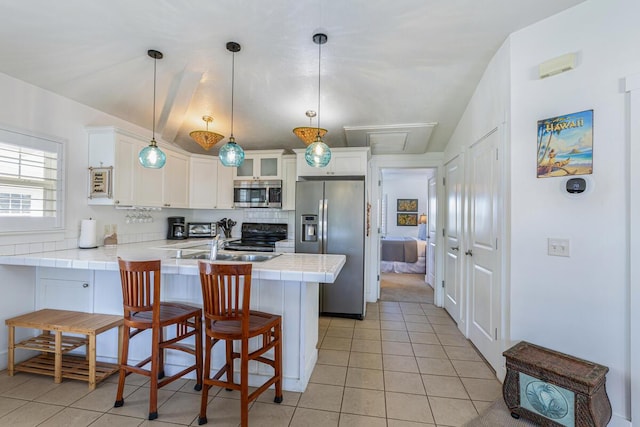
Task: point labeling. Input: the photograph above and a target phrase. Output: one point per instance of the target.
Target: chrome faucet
(214, 249)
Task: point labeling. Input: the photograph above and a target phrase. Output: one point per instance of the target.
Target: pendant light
(308, 133)
(318, 153)
(205, 138)
(152, 156)
(231, 154)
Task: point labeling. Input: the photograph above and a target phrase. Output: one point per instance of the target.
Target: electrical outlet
(558, 247)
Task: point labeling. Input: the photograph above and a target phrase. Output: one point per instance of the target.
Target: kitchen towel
(87, 238)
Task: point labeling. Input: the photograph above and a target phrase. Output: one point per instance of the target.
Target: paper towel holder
(87, 239)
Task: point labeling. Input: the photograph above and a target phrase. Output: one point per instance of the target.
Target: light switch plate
(558, 247)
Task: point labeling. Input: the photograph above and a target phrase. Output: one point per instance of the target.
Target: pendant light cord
(233, 77)
(153, 134)
(319, 59)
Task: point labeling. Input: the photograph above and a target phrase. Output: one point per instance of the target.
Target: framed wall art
(406, 219)
(407, 205)
(565, 145)
(100, 182)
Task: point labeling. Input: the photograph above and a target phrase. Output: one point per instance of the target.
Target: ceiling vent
(391, 139)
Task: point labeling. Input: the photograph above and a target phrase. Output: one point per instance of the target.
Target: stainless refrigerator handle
(320, 226)
(325, 228)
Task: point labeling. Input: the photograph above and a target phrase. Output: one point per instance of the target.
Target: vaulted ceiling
(396, 74)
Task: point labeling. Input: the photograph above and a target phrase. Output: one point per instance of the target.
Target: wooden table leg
(57, 373)
(92, 361)
(12, 348)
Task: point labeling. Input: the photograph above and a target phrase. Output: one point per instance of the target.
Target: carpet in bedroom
(405, 288)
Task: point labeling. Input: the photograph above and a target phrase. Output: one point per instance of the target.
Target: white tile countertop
(286, 266)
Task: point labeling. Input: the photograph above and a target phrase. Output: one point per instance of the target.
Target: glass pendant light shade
(318, 154)
(152, 157)
(231, 154)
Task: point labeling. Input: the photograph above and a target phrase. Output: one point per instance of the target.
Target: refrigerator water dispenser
(309, 228)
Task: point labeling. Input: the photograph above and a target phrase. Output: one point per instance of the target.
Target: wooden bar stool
(226, 292)
(143, 310)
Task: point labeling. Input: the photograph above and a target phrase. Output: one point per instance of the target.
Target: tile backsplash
(131, 233)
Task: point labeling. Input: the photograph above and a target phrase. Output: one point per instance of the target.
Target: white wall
(578, 304)
(408, 187)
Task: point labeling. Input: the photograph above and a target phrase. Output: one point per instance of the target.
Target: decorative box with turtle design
(555, 389)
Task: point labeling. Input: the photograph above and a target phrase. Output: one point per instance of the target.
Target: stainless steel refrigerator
(330, 219)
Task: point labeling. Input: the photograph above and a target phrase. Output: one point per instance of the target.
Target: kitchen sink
(254, 257)
(250, 257)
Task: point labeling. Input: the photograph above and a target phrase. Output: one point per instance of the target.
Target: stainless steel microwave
(257, 194)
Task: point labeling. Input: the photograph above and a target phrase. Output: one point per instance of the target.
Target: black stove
(258, 237)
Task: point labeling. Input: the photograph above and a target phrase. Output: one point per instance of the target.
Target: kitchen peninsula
(88, 280)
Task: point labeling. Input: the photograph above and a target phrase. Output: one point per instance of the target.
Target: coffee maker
(177, 228)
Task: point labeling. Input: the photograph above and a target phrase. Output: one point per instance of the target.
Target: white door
(431, 232)
(482, 256)
(452, 236)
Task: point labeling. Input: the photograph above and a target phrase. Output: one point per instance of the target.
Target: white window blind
(30, 182)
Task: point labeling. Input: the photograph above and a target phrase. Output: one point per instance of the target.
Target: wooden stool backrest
(226, 291)
(140, 286)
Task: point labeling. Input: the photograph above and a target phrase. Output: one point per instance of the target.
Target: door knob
(469, 252)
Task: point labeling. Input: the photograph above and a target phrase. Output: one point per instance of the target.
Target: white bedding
(419, 266)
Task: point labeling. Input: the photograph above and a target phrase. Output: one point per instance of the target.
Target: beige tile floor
(405, 365)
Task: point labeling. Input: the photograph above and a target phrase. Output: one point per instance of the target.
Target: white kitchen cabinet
(148, 185)
(64, 289)
(344, 161)
(210, 184)
(110, 147)
(131, 183)
(288, 182)
(167, 187)
(225, 187)
(175, 180)
(263, 164)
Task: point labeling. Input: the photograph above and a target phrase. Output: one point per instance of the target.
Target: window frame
(32, 140)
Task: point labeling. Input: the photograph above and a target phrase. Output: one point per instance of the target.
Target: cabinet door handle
(455, 248)
(469, 252)
(85, 285)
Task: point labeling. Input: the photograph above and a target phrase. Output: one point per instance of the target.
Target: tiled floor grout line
(407, 347)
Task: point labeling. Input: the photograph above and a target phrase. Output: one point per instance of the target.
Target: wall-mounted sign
(100, 182)
(565, 145)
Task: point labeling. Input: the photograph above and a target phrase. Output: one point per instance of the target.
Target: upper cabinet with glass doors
(263, 164)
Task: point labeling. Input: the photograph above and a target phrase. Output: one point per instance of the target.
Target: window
(30, 182)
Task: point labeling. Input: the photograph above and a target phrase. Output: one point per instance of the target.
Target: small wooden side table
(53, 324)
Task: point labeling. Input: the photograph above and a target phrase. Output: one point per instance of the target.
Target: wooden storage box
(555, 389)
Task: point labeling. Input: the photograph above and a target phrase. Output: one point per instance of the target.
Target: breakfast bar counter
(88, 280)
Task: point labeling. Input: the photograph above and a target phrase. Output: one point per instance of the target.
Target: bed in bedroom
(403, 255)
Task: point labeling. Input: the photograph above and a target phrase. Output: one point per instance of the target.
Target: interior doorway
(404, 234)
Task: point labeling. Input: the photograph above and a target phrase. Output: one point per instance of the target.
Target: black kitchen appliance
(177, 229)
(258, 237)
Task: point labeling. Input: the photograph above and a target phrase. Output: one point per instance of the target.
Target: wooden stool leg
(91, 353)
(278, 361)
(206, 374)
(120, 338)
(57, 373)
(12, 349)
